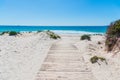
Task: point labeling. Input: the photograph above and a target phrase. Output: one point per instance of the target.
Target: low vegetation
(113, 34)
(102, 59)
(99, 42)
(13, 33)
(5, 32)
(53, 35)
(86, 37)
(95, 59)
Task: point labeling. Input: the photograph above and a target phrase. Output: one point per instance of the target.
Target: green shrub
(86, 37)
(12, 33)
(102, 59)
(4, 32)
(53, 35)
(95, 59)
(114, 28)
(113, 33)
(99, 42)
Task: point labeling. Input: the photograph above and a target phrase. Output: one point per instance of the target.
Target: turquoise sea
(58, 29)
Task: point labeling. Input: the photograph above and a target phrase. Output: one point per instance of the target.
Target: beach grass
(5, 32)
(95, 59)
(113, 35)
(86, 37)
(52, 35)
(12, 33)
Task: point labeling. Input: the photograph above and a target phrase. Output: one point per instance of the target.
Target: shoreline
(72, 32)
(60, 29)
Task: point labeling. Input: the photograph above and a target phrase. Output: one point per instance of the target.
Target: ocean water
(58, 29)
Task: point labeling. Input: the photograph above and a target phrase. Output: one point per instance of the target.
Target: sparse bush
(113, 33)
(4, 32)
(114, 28)
(12, 33)
(86, 37)
(102, 59)
(9, 32)
(99, 42)
(95, 59)
(53, 35)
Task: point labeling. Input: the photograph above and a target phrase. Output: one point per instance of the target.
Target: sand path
(64, 62)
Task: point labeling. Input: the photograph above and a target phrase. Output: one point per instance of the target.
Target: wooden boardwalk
(64, 62)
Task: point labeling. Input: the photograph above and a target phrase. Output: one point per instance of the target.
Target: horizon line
(54, 25)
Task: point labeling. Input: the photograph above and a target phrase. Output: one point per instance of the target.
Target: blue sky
(59, 12)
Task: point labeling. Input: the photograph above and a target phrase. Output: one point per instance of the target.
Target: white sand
(22, 56)
(111, 71)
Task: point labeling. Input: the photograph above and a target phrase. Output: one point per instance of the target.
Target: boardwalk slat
(64, 62)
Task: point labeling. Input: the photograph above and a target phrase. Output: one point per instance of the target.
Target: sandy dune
(22, 57)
